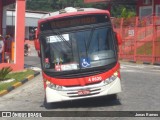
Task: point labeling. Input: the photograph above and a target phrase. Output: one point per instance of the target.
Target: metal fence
(141, 38)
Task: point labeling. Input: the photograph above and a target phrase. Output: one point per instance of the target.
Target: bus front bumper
(95, 90)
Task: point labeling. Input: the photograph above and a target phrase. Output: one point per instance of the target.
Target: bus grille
(75, 93)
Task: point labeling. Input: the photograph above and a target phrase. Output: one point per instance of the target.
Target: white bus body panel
(57, 96)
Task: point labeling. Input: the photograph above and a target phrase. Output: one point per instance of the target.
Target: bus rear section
(79, 54)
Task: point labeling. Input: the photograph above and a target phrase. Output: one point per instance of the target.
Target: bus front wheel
(113, 97)
(47, 105)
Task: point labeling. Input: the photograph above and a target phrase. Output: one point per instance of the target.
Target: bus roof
(73, 11)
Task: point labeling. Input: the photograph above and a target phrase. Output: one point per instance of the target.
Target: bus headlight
(53, 86)
(111, 79)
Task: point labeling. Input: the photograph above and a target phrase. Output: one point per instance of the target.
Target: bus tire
(47, 105)
(113, 97)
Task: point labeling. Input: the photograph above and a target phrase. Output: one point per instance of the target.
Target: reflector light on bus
(111, 79)
(53, 86)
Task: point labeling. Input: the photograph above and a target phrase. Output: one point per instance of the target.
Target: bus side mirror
(119, 38)
(36, 43)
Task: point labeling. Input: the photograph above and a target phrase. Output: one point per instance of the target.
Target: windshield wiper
(63, 39)
(90, 38)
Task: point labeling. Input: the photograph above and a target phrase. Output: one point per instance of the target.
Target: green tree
(39, 5)
(60, 4)
(127, 14)
(125, 11)
(54, 5)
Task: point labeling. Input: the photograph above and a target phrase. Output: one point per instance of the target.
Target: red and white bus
(78, 50)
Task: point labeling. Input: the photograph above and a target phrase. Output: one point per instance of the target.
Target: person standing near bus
(1, 48)
(8, 47)
(8, 41)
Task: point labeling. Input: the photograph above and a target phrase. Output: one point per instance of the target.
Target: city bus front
(79, 57)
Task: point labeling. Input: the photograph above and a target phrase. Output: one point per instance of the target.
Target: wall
(140, 4)
(19, 37)
(1, 12)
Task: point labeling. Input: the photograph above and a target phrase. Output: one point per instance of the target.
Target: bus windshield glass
(78, 50)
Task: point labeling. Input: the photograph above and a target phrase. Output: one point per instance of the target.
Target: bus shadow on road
(85, 103)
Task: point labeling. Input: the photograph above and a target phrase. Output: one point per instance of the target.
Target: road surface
(140, 85)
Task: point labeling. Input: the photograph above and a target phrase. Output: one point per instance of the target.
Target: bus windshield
(80, 49)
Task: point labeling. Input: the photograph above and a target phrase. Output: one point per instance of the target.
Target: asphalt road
(140, 85)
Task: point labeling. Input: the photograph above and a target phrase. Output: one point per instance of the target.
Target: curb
(28, 78)
(140, 62)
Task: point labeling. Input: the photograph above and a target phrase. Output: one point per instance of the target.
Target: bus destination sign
(74, 21)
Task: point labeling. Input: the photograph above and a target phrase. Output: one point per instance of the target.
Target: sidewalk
(31, 62)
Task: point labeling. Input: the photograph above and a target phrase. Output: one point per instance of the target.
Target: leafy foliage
(54, 5)
(17, 76)
(127, 14)
(124, 11)
(4, 72)
(39, 5)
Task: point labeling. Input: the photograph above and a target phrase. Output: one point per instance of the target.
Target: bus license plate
(83, 92)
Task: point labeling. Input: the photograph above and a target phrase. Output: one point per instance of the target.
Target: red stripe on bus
(82, 81)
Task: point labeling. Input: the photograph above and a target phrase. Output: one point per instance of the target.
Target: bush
(4, 72)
